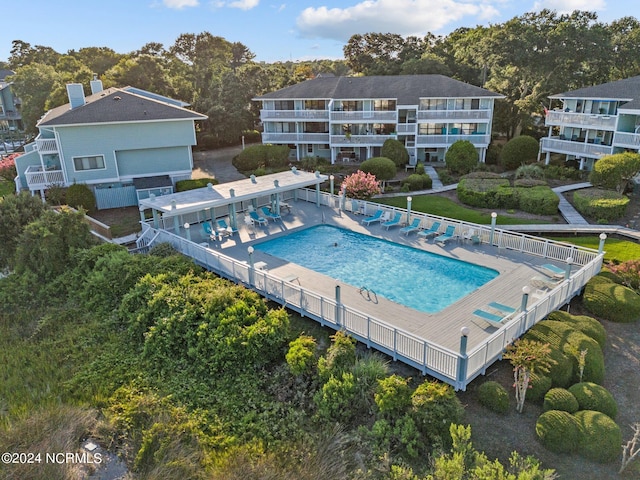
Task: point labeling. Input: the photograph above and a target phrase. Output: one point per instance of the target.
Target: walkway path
(567, 211)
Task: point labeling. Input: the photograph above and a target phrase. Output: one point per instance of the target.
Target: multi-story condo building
(594, 121)
(345, 118)
(10, 118)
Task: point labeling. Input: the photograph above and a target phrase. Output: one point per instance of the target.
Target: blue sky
(274, 30)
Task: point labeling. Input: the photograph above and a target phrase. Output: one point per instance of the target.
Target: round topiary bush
(519, 151)
(560, 399)
(591, 396)
(395, 151)
(561, 372)
(611, 301)
(558, 431)
(418, 182)
(383, 168)
(577, 342)
(539, 385)
(494, 396)
(461, 157)
(587, 325)
(600, 438)
(80, 196)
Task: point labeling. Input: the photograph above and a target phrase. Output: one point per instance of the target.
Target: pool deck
(443, 328)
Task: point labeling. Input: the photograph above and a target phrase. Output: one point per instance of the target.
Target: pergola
(207, 199)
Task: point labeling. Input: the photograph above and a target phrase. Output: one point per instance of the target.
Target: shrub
(539, 385)
(493, 154)
(560, 399)
(591, 396)
(418, 182)
(382, 168)
(184, 185)
(576, 342)
(334, 400)
(528, 183)
(626, 273)
(562, 172)
(420, 169)
(611, 301)
(494, 396)
(255, 156)
(481, 192)
(587, 325)
(301, 354)
(615, 172)
(561, 372)
(340, 357)
(558, 431)
(80, 196)
(393, 396)
(600, 437)
(530, 172)
(395, 151)
(461, 157)
(8, 169)
(540, 200)
(435, 406)
(16, 212)
(360, 185)
(519, 151)
(600, 204)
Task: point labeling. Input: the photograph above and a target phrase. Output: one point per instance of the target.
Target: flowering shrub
(629, 273)
(8, 167)
(360, 185)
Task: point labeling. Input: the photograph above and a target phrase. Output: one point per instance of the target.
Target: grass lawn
(615, 249)
(444, 207)
(6, 188)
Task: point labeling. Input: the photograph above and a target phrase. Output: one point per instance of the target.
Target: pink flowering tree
(8, 167)
(629, 273)
(360, 185)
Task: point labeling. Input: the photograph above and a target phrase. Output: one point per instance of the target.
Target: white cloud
(567, 6)
(243, 4)
(180, 4)
(404, 17)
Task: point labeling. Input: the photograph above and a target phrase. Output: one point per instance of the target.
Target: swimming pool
(417, 279)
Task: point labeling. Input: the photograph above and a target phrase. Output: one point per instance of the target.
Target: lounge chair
(208, 230)
(552, 271)
(413, 226)
(446, 236)
(432, 231)
(269, 214)
(257, 218)
(224, 228)
(502, 308)
(376, 217)
(546, 283)
(394, 221)
(490, 317)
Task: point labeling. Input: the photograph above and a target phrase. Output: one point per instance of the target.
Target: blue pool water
(417, 279)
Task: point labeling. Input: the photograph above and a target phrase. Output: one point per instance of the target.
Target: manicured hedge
(561, 372)
(587, 325)
(591, 396)
(611, 301)
(560, 399)
(539, 385)
(481, 192)
(183, 185)
(494, 396)
(540, 200)
(576, 342)
(558, 431)
(418, 182)
(600, 437)
(600, 204)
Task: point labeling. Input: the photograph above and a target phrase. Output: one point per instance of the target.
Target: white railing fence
(447, 365)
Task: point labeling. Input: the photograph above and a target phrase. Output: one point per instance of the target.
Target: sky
(274, 30)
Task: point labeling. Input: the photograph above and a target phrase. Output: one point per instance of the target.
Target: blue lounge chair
(432, 231)
(502, 308)
(269, 214)
(412, 227)
(208, 230)
(376, 217)
(446, 236)
(489, 317)
(257, 218)
(393, 222)
(224, 228)
(552, 271)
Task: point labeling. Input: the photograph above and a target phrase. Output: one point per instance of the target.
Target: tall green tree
(22, 54)
(33, 84)
(625, 44)
(97, 59)
(381, 53)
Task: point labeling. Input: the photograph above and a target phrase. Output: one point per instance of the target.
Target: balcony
(46, 145)
(457, 115)
(376, 116)
(580, 120)
(579, 149)
(295, 137)
(39, 179)
(405, 128)
(477, 139)
(266, 115)
(360, 140)
(626, 140)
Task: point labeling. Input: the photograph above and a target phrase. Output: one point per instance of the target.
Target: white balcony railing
(38, 179)
(46, 145)
(575, 148)
(295, 137)
(294, 114)
(407, 128)
(588, 120)
(361, 140)
(478, 139)
(367, 116)
(626, 140)
(457, 115)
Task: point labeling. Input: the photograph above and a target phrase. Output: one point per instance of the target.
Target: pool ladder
(369, 292)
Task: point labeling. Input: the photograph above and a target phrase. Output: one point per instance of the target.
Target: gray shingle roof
(627, 89)
(116, 105)
(406, 89)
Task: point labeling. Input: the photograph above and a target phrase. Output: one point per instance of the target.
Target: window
(315, 104)
(384, 105)
(88, 163)
(432, 129)
(283, 105)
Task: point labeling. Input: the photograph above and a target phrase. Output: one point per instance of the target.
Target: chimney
(76, 94)
(96, 85)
